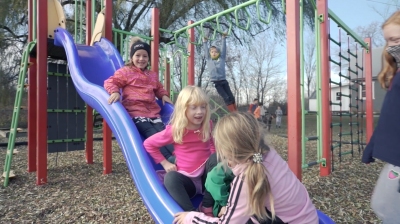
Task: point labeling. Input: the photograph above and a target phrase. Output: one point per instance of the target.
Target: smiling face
(391, 33)
(195, 115)
(140, 59)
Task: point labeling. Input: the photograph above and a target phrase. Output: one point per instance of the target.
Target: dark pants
(182, 189)
(147, 129)
(224, 91)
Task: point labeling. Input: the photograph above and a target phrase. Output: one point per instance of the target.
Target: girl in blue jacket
(385, 141)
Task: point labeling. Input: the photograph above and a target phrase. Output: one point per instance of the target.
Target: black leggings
(147, 129)
(182, 189)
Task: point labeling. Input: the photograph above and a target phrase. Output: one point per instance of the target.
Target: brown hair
(238, 137)
(389, 64)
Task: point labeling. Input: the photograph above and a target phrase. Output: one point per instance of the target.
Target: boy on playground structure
(385, 142)
(264, 188)
(190, 132)
(140, 87)
(216, 68)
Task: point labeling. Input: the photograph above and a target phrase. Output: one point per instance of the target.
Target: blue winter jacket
(216, 68)
(385, 141)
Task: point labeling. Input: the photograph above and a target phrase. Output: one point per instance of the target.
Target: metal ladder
(17, 108)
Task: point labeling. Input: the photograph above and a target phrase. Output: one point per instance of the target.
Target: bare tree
(372, 30)
(264, 68)
(310, 65)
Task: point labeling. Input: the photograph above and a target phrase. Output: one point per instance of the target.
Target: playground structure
(43, 43)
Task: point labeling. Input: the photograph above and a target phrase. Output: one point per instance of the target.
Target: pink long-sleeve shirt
(139, 91)
(291, 200)
(190, 155)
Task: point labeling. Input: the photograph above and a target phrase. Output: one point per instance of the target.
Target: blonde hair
(190, 95)
(389, 65)
(237, 138)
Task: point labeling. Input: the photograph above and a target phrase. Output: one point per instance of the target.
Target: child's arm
(206, 54)
(236, 209)
(114, 83)
(215, 184)
(156, 141)
(162, 94)
(223, 47)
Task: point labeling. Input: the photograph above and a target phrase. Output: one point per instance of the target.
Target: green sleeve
(216, 184)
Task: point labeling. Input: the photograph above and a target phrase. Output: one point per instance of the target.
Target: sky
(359, 12)
(354, 13)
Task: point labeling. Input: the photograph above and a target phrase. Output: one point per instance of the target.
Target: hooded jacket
(216, 68)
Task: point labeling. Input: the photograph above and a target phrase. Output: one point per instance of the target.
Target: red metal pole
(368, 90)
(167, 76)
(89, 110)
(155, 33)
(191, 51)
(107, 140)
(322, 7)
(293, 85)
(41, 116)
(32, 124)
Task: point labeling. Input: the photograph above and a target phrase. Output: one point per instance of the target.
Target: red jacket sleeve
(116, 82)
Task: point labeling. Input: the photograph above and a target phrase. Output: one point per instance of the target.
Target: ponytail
(259, 190)
(258, 184)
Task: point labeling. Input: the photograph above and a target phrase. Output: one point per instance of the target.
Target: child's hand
(114, 98)
(166, 99)
(222, 211)
(168, 167)
(180, 217)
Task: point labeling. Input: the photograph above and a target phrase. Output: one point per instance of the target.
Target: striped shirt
(291, 200)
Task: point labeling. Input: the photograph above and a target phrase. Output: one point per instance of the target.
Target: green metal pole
(76, 21)
(93, 14)
(303, 129)
(81, 22)
(216, 15)
(34, 20)
(318, 89)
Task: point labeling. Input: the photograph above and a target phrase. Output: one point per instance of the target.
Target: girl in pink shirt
(140, 87)
(264, 188)
(190, 133)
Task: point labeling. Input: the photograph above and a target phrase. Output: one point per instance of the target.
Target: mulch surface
(78, 192)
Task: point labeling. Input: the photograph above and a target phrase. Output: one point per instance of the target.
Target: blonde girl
(190, 133)
(264, 188)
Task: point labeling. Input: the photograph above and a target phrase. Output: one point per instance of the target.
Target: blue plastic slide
(89, 66)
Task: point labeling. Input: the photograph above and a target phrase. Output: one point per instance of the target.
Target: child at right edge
(385, 142)
(264, 189)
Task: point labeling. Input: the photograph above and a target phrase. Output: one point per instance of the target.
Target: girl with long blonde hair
(189, 130)
(264, 188)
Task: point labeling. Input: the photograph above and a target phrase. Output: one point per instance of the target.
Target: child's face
(140, 59)
(391, 33)
(214, 53)
(195, 115)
